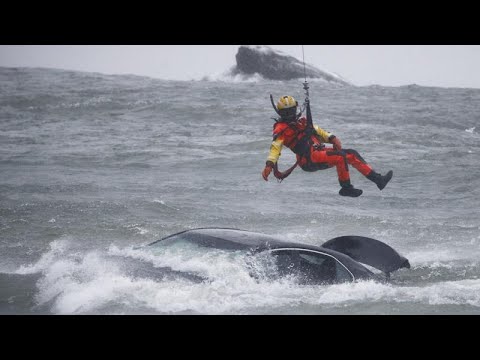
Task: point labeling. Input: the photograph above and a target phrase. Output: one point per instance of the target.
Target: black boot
(349, 190)
(380, 180)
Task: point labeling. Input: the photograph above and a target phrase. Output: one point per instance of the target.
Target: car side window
(342, 274)
(311, 267)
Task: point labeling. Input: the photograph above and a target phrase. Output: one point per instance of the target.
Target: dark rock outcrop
(275, 65)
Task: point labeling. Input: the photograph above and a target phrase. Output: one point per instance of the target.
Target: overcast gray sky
(389, 65)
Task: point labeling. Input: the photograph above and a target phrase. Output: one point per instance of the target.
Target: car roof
(231, 238)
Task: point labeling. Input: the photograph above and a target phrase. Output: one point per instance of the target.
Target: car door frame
(317, 252)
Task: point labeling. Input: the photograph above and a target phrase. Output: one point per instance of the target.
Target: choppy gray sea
(94, 166)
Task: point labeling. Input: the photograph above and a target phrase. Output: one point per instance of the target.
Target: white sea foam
(56, 249)
(229, 77)
(94, 281)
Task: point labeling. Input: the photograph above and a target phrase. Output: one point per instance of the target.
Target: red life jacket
(296, 136)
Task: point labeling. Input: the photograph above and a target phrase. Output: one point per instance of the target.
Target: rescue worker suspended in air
(308, 141)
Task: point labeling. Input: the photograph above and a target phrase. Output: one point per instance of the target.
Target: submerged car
(342, 259)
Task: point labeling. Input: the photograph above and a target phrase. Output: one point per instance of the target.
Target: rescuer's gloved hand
(337, 145)
(267, 170)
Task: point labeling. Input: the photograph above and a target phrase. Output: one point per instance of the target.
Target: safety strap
(282, 175)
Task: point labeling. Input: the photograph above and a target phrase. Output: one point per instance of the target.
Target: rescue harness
(303, 139)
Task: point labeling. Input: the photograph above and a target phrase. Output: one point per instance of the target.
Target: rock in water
(275, 65)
